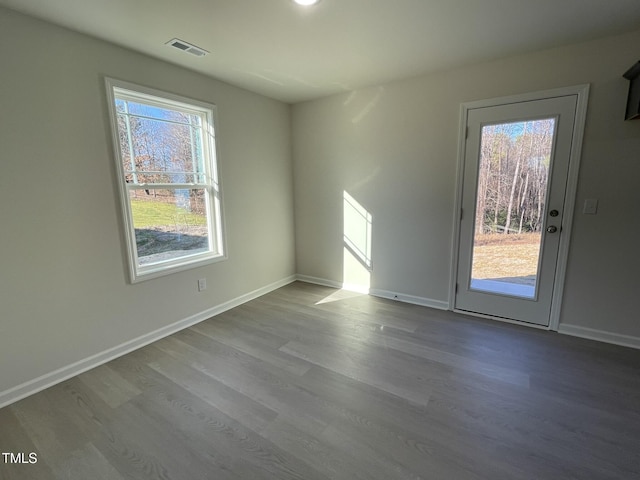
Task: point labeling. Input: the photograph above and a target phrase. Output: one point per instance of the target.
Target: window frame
(212, 186)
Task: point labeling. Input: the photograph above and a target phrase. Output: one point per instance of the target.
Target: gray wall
(394, 149)
(64, 292)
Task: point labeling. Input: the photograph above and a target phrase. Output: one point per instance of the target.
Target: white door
(515, 170)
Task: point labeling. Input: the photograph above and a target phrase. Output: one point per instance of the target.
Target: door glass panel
(510, 206)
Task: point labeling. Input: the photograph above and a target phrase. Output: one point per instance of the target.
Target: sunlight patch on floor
(341, 294)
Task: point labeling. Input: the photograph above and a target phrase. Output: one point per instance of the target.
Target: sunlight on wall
(357, 229)
(358, 224)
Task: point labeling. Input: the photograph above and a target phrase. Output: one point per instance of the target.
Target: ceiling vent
(187, 47)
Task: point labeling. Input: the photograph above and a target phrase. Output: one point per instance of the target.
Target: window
(166, 162)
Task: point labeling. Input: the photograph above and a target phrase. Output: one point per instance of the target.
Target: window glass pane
(169, 224)
(163, 152)
(120, 105)
(146, 110)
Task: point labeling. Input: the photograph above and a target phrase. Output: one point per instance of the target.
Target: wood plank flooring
(312, 383)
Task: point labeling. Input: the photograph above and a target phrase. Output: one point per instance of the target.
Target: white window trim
(138, 273)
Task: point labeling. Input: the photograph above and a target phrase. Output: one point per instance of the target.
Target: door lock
(552, 229)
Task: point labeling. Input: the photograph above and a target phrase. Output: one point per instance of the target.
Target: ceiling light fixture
(306, 3)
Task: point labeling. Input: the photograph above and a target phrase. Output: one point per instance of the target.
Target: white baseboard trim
(319, 281)
(52, 378)
(400, 297)
(600, 335)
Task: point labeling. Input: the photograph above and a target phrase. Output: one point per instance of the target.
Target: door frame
(582, 93)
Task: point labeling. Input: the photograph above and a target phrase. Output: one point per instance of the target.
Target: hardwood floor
(312, 383)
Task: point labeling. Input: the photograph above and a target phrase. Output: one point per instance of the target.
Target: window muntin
(165, 157)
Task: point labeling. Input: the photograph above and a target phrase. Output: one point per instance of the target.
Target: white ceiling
(294, 53)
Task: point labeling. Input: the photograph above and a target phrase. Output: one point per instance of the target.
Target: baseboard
(319, 281)
(600, 335)
(400, 297)
(52, 378)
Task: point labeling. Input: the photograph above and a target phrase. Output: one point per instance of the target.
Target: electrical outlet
(590, 206)
(202, 284)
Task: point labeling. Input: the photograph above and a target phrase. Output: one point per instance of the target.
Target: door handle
(552, 229)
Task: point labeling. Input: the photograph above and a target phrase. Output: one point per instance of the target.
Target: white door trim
(582, 92)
